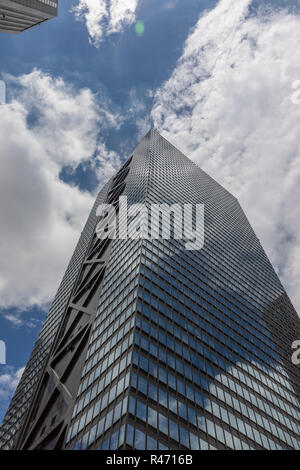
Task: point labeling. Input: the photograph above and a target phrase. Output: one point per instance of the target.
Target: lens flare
(139, 28)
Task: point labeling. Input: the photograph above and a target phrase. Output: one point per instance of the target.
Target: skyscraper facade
(18, 15)
(157, 346)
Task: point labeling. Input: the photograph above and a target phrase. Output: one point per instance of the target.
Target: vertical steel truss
(53, 403)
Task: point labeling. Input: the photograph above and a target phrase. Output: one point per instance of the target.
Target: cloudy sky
(219, 79)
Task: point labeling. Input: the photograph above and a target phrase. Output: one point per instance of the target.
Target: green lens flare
(139, 28)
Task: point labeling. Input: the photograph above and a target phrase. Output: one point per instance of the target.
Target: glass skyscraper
(149, 345)
(18, 15)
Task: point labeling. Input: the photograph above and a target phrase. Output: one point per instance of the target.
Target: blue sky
(217, 78)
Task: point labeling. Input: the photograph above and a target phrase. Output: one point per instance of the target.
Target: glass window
(114, 440)
(152, 417)
(108, 421)
(220, 435)
(163, 424)
(143, 385)
(174, 430)
(129, 435)
(132, 405)
(152, 391)
(210, 428)
(228, 439)
(141, 410)
(144, 363)
(105, 445)
(194, 441)
(151, 443)
(203, 445)
(100, 427)
(163, 398)
(139, 442)
(104, 401)
(173, 404)
(125, 404)
(184, 437)
(81, 423)
(112, 394)
(182, 410)
(118, 411)
(92, 434)
(121, 435)
(237, 443)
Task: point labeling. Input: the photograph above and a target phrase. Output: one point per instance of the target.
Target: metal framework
(53, 403)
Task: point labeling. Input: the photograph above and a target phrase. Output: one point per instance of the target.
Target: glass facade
(187, 349)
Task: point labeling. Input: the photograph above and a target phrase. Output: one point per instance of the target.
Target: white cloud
(18, 317)
(14, 319)
(68, 120)
(228, 105)
(105, 17)
(46, 126)
(107, 163)
(9, 381)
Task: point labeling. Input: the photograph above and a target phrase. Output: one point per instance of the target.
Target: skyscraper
(18, 15)
(150, 345)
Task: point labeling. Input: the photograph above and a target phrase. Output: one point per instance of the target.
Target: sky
(219, 79)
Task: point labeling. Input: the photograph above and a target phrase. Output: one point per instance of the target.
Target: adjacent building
(150, 345)
(18, 15)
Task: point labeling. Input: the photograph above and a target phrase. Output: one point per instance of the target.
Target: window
(163, 424)
(152, 417)
(129, 435)
(141, 410)
(184, 437)
(151, 443)
(140, 439)
(174, 431)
